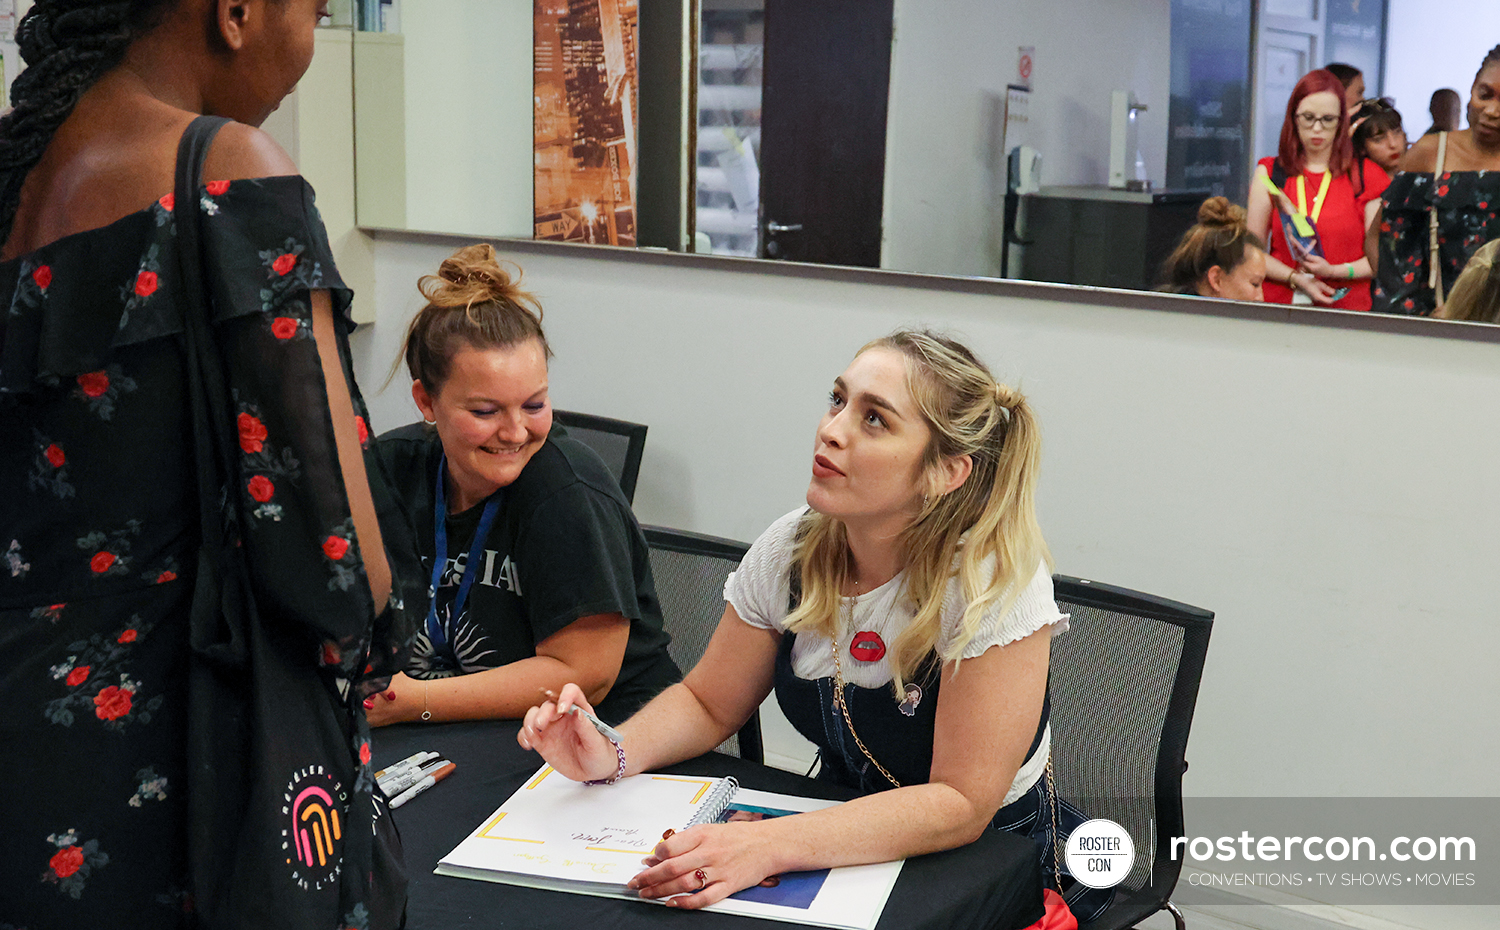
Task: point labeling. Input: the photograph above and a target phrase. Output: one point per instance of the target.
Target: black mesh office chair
(618, 442)
(690, 569)
(1124, 682)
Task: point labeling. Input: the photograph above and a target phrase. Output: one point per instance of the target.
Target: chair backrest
(689, 569)
(618, 442)
(1124, 680)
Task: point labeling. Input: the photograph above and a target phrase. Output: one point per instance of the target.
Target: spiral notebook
(558, 834)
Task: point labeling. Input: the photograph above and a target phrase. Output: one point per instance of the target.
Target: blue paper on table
(789, 889)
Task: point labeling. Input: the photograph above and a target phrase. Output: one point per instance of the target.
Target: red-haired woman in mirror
(1319, 177)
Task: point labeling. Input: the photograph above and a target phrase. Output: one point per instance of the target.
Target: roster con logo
(311, 827)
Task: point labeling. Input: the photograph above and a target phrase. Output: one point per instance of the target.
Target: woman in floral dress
(1464, 195)
(100, 524)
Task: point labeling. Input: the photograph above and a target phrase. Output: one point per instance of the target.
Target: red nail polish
(390, 695)
(369, 702)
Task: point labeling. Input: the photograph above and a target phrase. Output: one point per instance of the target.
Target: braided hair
(67, 45)
(1492, 57)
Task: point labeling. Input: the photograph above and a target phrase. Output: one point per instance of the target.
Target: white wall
(468, 115)
(1432, 45)
(1329, 490)
(953, 57)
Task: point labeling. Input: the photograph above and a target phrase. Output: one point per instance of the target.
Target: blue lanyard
(440, 555)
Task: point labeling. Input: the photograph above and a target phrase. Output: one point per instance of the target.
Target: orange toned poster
(584, 131)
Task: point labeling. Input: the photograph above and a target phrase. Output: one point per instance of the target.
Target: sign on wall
(584, 131)
(1208, 120)
(1356, 36)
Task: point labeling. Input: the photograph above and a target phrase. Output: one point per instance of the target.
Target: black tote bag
(280, 808)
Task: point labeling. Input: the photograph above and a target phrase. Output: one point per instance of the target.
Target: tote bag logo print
(312, 827)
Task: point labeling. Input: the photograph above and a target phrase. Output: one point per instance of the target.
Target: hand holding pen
(565, 731)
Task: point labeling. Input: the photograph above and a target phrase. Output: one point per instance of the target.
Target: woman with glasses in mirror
(1443, 204)
(1317, 176)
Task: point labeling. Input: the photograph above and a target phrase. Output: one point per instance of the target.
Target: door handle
(783, 227)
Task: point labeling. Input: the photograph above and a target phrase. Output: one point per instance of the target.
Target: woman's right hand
(568, 742)
(1308, 283)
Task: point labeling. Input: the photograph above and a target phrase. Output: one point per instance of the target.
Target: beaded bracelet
(619, 772)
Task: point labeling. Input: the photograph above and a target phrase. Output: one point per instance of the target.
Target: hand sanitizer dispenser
(1127, 167)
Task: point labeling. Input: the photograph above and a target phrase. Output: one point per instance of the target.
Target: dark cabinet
(1103, 237)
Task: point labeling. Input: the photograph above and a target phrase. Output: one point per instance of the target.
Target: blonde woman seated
(1218, 257)
(904, 618)
(1476, 293)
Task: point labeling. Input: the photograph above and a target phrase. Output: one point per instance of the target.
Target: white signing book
(562, 835)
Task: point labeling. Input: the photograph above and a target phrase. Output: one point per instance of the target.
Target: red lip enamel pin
(867, 646)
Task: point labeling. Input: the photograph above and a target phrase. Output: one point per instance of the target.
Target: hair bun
(475, 275)
(1220, 211)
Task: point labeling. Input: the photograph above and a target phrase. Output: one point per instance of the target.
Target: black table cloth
(994, 882)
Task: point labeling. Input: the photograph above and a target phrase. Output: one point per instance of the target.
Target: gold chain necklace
(838, 693)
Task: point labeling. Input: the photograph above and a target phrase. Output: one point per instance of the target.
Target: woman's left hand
(400, 703)
(732, 856)
(1319, 266)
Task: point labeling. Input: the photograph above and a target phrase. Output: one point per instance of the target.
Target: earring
(429, 422)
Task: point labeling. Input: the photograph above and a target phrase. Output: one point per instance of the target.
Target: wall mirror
(444, 116)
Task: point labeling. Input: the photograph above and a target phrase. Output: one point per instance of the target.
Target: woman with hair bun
(1219, 257)
(540, 572)
(904, 619)
(1316, 174)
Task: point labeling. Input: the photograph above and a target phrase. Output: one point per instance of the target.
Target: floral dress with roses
(1468, 212)
(100, 529)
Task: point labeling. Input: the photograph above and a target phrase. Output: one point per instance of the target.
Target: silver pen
(605, 730)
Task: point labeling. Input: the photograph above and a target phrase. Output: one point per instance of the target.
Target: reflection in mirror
(444, 133)
(731, 45)
(443, 119)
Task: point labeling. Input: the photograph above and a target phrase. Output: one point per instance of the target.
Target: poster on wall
(1356, 36)
(585, 89)
(1208, 120)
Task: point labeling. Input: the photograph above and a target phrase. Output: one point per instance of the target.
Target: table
(993, 882)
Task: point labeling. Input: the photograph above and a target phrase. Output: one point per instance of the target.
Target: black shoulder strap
(1278, 173)
(207, 397)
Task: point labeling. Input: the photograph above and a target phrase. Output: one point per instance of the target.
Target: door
(1289, 39)
(827, 74)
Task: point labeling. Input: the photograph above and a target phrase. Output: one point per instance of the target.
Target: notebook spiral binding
(719, 798)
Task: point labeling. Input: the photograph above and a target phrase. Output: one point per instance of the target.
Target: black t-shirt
(564, 545)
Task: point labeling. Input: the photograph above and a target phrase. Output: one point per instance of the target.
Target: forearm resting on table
(878, 827)
(506, 692)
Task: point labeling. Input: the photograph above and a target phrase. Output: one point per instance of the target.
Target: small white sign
(1024, 64)
(1100, 853)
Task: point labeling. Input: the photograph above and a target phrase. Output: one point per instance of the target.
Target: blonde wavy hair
(987, 526)
(1476, 294)
(475, 301)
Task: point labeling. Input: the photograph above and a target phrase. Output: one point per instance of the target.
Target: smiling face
(1318, 123)
(492, 415)
(867, 456)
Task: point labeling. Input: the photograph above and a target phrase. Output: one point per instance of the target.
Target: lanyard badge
(435, 631)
